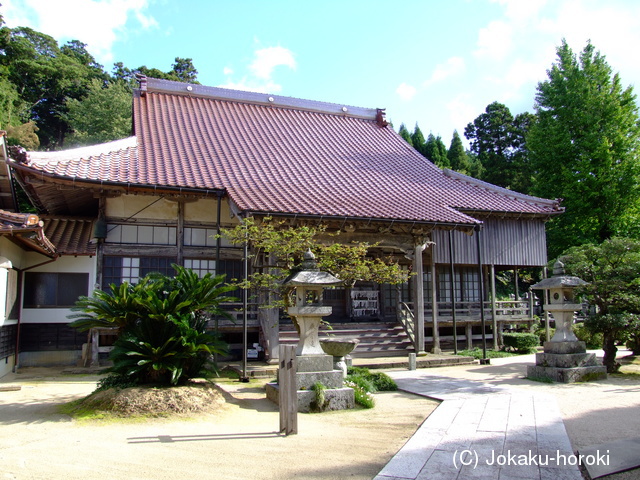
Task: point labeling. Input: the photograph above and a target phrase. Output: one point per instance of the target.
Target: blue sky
(435, 62)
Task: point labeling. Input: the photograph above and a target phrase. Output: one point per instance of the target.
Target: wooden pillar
(515, 285)
(469, 336)
(287, 390)
(434, 311)
(419, 299)
(494, 316)
(180, 233)
(452, 292)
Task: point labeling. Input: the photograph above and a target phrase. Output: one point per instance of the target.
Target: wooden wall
(504, 241)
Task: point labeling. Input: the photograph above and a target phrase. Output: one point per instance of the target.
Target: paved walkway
(482, 431)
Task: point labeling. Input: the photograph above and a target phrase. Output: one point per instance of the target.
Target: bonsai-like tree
(278, 248)
(612, 270)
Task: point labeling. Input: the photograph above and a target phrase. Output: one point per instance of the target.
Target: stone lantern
(308, 284)
(312, 363)
(565, 358)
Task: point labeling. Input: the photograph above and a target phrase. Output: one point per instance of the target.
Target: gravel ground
(241, 439)
(238, 441)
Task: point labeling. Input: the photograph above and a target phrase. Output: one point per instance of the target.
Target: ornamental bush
(520, 342)
(162, 326)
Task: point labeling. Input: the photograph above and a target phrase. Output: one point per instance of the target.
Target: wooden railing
(504, 311)
(407, 320)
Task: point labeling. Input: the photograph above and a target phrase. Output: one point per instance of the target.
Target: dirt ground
(239, 441)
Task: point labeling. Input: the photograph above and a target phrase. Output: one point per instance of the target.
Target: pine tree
(404, 133)
(457, 155)
(417, 140)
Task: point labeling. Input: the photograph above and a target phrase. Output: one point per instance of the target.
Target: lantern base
(566, 362)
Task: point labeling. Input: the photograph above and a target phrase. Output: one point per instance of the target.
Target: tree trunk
(610, 349)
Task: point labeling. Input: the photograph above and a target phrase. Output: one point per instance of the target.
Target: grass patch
(477, 353)
(365, 383)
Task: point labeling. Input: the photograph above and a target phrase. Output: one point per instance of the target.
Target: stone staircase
(378, 339)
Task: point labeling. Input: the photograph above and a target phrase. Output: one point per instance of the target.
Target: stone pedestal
(566, 362)
(312, 369)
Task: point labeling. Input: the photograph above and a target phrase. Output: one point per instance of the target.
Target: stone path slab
(611, 457)
(482, 431)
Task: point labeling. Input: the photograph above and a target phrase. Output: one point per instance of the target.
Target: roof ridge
(500, 190)
(156, 85)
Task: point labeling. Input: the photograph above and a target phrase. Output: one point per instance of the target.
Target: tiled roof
(71, 236)
(283, 155)
(26, 229)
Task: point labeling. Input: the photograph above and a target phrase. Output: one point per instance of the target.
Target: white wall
(66, 265)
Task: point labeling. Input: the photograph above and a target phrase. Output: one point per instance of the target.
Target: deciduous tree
(102, 116)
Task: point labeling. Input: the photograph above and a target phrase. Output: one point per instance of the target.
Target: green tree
(436, 151)
(612, 272)
(404, 133)
(457, 155)
(23, 135)
(584, 147)
(45, 76)
(417, 140)
(184, 70)
(13, 110)
(103, 115)
(498, 139)
(349, 262)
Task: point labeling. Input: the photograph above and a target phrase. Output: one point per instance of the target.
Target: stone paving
(482, 431)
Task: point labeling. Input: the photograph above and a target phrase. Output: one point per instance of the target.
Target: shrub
(383, 382)
(521, 342)
(477, 353)
(378, 381)
(162, 325)
(541, 331)
(363, 397)
(590, 338)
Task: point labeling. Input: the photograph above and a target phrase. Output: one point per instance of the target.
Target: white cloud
(452, 67)
(267, 59)
(495, 40)
(96, 23)
(462, 110)
(252, 85)
(406, 92)
(522, 11)
(261, 70)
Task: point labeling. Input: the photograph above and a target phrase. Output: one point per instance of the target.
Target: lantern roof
(309, 275)
(559, 279)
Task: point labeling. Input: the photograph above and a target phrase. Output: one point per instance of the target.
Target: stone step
(376, 339)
